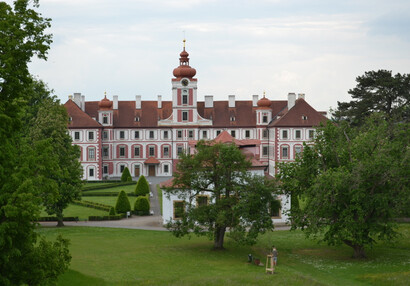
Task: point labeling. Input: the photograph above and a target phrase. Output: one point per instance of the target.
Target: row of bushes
(107, 186)
(93, 205)
(104, 194)
(53, 218)
(141, 206)
(106, 217)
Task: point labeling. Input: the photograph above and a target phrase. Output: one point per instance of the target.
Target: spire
(184, 70)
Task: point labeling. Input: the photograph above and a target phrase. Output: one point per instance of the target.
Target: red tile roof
(79, 119)
(151, 160)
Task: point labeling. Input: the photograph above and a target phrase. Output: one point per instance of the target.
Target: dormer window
(304, 117)
(105, 120)
(70, 119)
(137, 119)
(265, 118)
(232, 118)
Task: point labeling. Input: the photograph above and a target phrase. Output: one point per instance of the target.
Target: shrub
(106, 186)
(141, 206)
(112, 211)
(142, 187)
(126, 175)
(106, 217)
(123, 203)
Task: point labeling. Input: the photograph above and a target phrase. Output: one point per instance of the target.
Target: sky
(239, 47)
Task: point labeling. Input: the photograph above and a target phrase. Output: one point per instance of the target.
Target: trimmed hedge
(123, 203)
(106, 217)
(107, 186)
(126, 175)
(142, 187)
(93, 205)
(104, 194)
(53, 218)
(112, 211)
(141, 206)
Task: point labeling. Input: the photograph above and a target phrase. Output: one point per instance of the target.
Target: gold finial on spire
(263, 94)
(105, 94)
(184, 39)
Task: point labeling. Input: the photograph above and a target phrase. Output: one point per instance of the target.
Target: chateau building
(148, 135)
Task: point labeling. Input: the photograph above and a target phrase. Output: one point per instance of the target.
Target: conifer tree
(142, 187)
(123, 204)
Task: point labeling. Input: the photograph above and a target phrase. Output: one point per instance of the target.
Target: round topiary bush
(141, 206)
(112, 211)
(126, 175)
(142, 187)
(123, 203)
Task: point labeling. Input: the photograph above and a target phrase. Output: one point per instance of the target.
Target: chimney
(301, 95)
(159, 101)
(77, 98)
(209, 101)
(115, 102)
(231, 101)
(83, 102)
(291, 99)
(138, 102)
(255, 99)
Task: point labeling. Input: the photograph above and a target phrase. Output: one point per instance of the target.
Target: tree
(123, 204)
(377, 91)
(51, 142)
(141, 206)
(238, 200)
(126, 175)
(142, 187)
(353, 181)
(25, 258)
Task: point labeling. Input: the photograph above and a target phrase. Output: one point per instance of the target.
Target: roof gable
(79, 119)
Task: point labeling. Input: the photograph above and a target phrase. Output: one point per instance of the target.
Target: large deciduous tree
(353, 182)
(377, 91)
(237, 200)
(25, 258)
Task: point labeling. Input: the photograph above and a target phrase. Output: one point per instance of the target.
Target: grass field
(127, 189)
(82, 212)
(111, 201)
(103, 256)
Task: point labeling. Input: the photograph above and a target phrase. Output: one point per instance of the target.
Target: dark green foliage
(237, 201)
(142, 206)
(107, 217)
(123, 204)
(94, 205)
(112, 211)
(106, 186)
(142, 187)
(377, 91)
(126, 175)
(354, 182)
(25, 258)
(53, 218)
(104, 194)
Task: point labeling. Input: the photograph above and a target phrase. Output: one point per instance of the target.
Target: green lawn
(82, 212)
(103, 256)
(111, 201)
(127, 189)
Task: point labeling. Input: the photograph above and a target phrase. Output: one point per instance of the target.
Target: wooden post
(269, 264)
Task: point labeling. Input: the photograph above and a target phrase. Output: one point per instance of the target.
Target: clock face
(184, 82)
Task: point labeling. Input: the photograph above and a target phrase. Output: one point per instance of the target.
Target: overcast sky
(240, 47)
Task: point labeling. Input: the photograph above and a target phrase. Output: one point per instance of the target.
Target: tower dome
(184, 70)
(105, 103)
(264, 102)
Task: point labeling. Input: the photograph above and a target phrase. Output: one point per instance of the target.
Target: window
(137, 119)
(166, 168)
(105, 135)
(165, 134)
(233, 133)
(91, 135)
(218, 132)
(122, 134)
(284, 134)
(201, 201)
(274, 209)
(136, 151)
(179, 134)
(105, 150)
(184, 96)
(76, 135)
(91, 172)
(136, 135)
(179, 209)
(304, 117)
(105, 169)
(298, 149)
(265, 118)
(311, 134)
(122, 167)
(151, 151)
(91, 153)
(232, 118)
(298, 134)
(191, 134)
(122, 151)
(204, 134)
(285, 152)
(166, 151)
(265, 134)
(105, 120)
(265, 150)
(184, 115)
(151, 135)
(179, 149)
(247, 134)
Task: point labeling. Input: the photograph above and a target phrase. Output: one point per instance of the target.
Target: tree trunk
(358, 249)
(219, 238)
(59, 216)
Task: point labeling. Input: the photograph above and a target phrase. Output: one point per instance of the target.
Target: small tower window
(304, 117)
(105, 120)
(265, 118)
